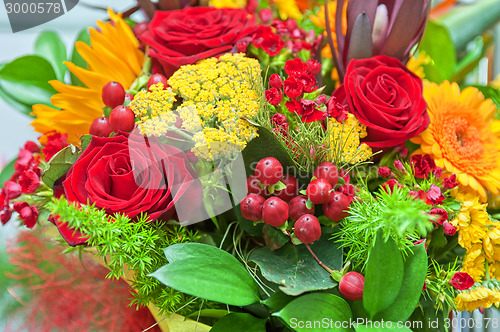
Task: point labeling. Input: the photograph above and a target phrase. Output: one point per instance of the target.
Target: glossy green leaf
(471, 59)
(7, 171)
(16, 104)
(415, 270)
(76, 58)
(26, 80)
(50, 46)
(383, 275)
(491, 93)
(239, 322)
(213, 313)
(273, 237)
(60, 165)
(278, 300)
(393, 327)
(209, 273)
(437, 44)
(327, 309)
(294, 268)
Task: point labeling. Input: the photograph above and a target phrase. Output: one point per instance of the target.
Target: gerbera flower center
(463, 138)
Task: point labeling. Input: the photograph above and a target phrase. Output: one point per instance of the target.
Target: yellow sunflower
(113, 55)
(477, 297)
(461, 137)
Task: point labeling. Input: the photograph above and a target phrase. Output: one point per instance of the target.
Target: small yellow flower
(288, 9)
(345, 145)
(478, 296)
(415, 64)
(471, 221)
(227, 3)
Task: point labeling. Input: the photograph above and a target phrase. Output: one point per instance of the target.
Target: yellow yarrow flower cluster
(153, 110)
(479, 235)
(345, 145)
(227, 3)
(218, 96)
(478, 296)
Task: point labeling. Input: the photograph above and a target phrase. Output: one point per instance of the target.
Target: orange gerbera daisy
(462, 136)
(113, 55)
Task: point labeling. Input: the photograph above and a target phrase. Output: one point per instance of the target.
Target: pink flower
(29, 181)
(399, 166)
(443, 215)
(434, 195)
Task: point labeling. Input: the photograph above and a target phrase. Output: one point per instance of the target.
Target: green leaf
(86, 139)
(438, 45)
(213, 313)
(415, 270)
(209, 273)
(239, 322)
(278, 300)
(7, 171)
(16, 104)
(384, 275)
(300, 314)
(255, 151)
(364, 328)
(76, 58)
(50, 46)
(491, 93)
(60, 165)
(273, 237)
(26, 80)
(294, 267)
(470, 61)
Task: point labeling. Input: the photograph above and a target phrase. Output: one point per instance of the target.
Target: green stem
(317, 259)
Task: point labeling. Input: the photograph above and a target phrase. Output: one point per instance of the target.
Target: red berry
(100, 127)
(291, 189)
(251, 207)
(318, 191)
(307, 228)
(158, 78)
(122, 118)
(328, 171)
(268, 171)
(275, 211)
(113, 94)
(140, 28)
(128, 96)
(298, 207)
(253, 186)
(337, 207)
(351, 286)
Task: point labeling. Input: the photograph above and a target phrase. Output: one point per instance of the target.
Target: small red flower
(274, 96)
(12, 189)
(434, 195)
(29, 181)
(449, 229)
(399, 165)
(336, 110)
(443, 215)
(28, 213)
(261, 34)
(462, 281)
(307, 109)
(293, 88)
(384, 171)
(32, 147)
(275, 81)
(309, 82)
(24, 160)
(438, 171)
(278, 119)
(273, 44)
(450, 182)
(390, 184)
(313, 67)
(295, 67)
(423, 165)
(55, 143)
(5, 215)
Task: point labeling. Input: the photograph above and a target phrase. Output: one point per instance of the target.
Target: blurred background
(14, 126)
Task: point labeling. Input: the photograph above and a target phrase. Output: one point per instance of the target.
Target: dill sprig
(396, 213)
(132, 246)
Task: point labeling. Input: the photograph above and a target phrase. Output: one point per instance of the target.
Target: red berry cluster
(25, 180)
(287, 204)
(301, 80)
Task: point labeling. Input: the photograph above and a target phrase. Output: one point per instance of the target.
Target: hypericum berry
(275, 211)
(253, 186)
(251, 207)
(291, 190)
(318, 191)
(122, 118)
(297, 207)
(269, 171)
(100, 127)
(307, 228)
(337, 207)
(158, 78)
(449, 229)
(113, 94)
(128, 96)
(351, 286)
(328, 171)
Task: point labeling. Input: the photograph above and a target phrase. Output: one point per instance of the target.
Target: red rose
(131, 175)
(462, 281)
(182, 37)
(386, 97)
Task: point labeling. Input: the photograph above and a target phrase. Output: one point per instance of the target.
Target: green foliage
(50, 46)
(131, 246)
(239, 322)
(397, 214)
(24, 82)
(294, 268)
(60, 164)
(209, 273)
(319, 307)
(76, 58)
(7, 172)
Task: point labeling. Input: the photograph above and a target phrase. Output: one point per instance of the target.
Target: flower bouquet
(258, 166)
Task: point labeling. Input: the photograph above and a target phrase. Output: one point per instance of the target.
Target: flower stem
(317, 259)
